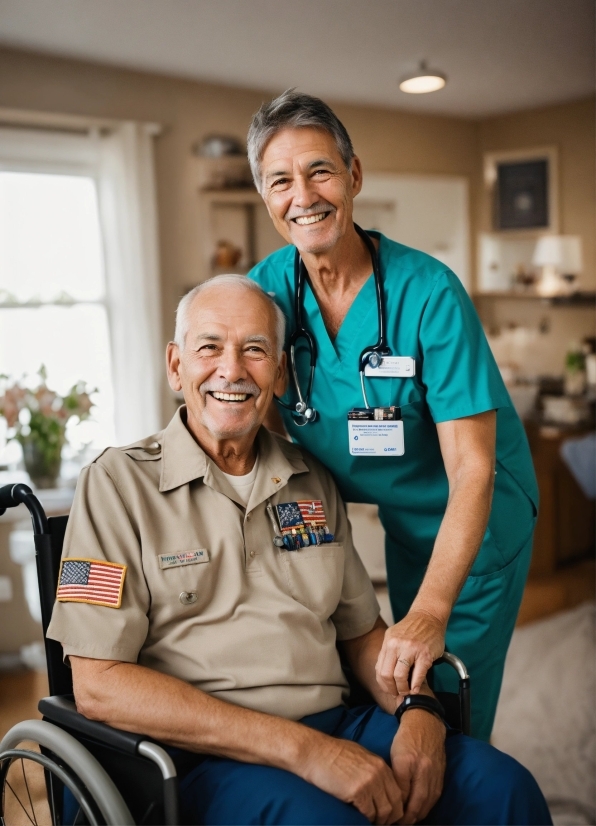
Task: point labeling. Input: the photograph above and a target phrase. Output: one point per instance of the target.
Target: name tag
(400, 367)
(183, 558)
(376, 438)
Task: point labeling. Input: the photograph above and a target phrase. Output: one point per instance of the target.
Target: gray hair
(293, 110)
(240, 282)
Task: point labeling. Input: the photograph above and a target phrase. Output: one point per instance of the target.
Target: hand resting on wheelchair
(208, 573)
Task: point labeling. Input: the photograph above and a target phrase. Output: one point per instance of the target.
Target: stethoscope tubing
(302, 411)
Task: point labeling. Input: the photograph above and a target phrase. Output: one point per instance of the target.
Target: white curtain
(127, 204)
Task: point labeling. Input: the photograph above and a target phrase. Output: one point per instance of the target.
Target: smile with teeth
(311, 219)
(230, 397)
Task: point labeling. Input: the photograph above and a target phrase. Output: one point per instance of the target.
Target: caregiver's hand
(411, 645)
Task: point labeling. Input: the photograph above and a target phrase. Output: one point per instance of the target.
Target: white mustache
(317, 209)
(230, 387)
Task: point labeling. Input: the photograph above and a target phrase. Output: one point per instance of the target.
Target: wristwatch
(423, 701)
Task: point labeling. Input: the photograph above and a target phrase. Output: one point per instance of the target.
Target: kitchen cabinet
(565, 530)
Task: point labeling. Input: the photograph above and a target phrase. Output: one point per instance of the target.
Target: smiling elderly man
(208, 629)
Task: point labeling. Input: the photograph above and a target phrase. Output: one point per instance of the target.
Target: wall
(386, 140)
(571, 128)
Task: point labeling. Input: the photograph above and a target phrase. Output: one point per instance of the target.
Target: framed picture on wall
(523, 187)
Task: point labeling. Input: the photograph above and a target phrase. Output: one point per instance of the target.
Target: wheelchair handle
(13, 495)
(465, 704)
(454, 662)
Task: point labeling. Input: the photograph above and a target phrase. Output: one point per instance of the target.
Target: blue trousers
(482, 785)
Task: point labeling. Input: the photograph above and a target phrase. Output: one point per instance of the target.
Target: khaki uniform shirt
(207, 597)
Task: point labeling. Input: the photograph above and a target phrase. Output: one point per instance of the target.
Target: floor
(19, 694)
(567, 588)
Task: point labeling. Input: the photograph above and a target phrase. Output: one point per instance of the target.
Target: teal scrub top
(431, 318)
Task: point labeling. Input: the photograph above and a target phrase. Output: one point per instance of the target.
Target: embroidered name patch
(183, 558)
(91, 580)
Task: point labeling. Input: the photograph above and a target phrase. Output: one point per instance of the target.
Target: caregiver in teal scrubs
(459, 506)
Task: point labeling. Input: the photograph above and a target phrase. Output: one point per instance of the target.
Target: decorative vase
(42, 462)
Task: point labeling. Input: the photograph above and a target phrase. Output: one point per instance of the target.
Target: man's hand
(418, 761)
(411, 645)
(354, 775)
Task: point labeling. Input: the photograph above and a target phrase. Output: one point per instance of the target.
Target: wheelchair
(113, 777)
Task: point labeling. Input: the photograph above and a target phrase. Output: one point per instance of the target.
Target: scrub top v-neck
(430, 318)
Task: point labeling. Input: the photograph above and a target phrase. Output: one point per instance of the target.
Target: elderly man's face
(307, 188)
(228, 370)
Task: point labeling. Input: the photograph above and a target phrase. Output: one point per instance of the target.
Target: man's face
(307, 189)
(228, 370)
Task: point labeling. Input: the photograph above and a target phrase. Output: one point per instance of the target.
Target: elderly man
(208, 629)
(392, 328)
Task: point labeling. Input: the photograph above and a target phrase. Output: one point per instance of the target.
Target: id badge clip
(376, 431)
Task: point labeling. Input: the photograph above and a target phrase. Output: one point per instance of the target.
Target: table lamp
(559, 256)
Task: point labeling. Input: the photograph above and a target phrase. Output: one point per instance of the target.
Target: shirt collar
(183, 460)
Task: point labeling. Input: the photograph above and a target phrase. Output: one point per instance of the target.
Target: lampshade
(423, 81)
(561, 251)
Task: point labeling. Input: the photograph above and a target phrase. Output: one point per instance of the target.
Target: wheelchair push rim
(22, 798)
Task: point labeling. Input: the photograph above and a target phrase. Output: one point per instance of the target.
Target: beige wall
(571, 128)
(386, 140)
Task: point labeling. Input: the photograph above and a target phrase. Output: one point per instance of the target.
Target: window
(79, 270)
(52, 290)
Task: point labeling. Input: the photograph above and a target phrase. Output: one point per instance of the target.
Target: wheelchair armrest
(63, 712)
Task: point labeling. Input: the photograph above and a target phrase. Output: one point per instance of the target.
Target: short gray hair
(232, 280)
(293, 110)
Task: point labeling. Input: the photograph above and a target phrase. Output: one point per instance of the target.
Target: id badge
(374, 433)
(399, 367)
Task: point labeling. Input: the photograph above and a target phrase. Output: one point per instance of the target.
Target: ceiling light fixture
(423, 81)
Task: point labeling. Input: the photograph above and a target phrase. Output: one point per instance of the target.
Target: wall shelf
(579, 299)
(238, 216)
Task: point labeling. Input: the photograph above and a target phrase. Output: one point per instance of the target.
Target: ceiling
(499, 55)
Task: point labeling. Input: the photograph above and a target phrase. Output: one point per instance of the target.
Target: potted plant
(37, 419)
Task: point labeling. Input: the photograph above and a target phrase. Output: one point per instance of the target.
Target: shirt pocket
(315, 577)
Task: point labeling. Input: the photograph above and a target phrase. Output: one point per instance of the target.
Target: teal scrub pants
(479, 629)
(482, 785)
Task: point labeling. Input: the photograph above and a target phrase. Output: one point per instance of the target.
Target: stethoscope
(303, 412)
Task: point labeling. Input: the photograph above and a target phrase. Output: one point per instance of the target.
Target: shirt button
(188, 597)
(248, 517)
(252, 554)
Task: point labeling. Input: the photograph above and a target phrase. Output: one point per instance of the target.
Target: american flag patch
(312, 511)
(92, 581)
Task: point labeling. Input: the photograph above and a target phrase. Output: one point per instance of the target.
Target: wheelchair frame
(62, 729)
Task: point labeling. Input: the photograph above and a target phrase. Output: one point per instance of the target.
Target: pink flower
(11, 403)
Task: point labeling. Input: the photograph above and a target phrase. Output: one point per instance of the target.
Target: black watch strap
(423, 701)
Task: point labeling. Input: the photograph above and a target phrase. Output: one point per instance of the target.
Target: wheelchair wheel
(31, 783)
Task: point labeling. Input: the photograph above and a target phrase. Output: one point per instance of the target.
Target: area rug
(546, 716)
